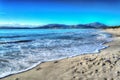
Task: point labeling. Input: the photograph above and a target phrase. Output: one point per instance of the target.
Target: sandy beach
(101, 66)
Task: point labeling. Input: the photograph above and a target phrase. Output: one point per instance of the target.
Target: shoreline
(76, 68)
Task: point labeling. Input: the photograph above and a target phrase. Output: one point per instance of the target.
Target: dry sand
(102, 66)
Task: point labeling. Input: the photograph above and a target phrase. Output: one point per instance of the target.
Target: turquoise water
(23, 49)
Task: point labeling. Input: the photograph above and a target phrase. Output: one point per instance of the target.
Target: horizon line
(42, 24)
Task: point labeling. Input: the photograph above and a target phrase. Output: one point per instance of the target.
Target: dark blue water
(22, 49)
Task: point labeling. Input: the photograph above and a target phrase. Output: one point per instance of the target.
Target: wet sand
(101, 66)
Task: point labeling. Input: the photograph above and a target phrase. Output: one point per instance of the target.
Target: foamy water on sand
(21, 49)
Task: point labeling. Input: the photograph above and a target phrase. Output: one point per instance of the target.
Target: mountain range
(57, 26)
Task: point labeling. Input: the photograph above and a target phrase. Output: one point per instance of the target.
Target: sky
(41, 12)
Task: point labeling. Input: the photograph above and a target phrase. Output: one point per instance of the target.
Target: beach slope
(102, 66)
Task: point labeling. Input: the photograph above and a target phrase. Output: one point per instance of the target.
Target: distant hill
(53, 26)
(59, 26)
(97, 25)
(62, 26)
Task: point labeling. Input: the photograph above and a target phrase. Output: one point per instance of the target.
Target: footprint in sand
(105, 79)
(17, 79)
(103, 64)
(96, 71)
(55, 61)
(108, 61)
(118, 73)
(81, 63)
(38, 68)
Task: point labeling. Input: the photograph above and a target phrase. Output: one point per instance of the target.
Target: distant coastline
(95, 25)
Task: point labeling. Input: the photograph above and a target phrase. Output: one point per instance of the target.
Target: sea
(23, 49)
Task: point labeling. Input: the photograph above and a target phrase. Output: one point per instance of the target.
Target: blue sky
(59, 11)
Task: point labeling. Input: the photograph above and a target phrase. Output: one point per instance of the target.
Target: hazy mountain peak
(97, 24)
